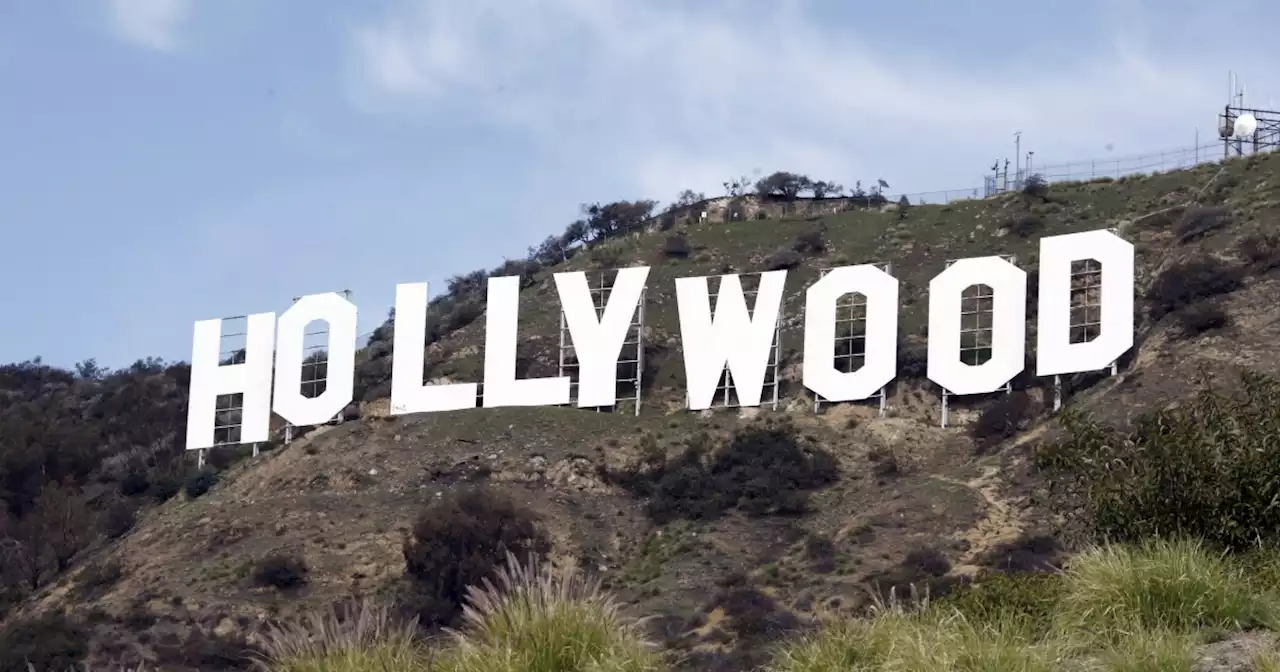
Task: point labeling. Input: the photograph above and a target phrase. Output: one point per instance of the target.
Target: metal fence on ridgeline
(1113, 167)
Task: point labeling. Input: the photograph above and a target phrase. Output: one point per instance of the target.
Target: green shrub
(676, 247)
(1262, 250)
(134, 483)
(199, 483)
(1001, 420)
(1036, 185)
(118, 519)
(1025, 226)
(1200, 220)
(97, 579)
(1202, 317)
(165, 488)
(459, 540)
(46, 642)
(765, 469)
(1188, 282)
(809, 242)
(782, 259)
(280, 570)
(1209, 468)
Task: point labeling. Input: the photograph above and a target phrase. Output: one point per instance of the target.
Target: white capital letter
(340, 314)
(252, 379)
(500, 385)
(597, 341)
(408, 394)
(1008, 337)
(881, 344)
(1055, 353)
(733, 337)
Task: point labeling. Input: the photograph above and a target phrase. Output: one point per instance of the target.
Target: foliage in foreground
(1143, 607)
(538, 618)
(532, 618)
(1115, 607)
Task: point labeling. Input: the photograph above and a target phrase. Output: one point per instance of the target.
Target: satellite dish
(1246, 124)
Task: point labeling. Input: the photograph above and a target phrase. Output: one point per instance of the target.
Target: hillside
(785, 518)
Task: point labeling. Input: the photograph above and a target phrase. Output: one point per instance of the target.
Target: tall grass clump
(1113, 593)
(347, 638)
(537, 618)
(932, 637)
(1150, 651)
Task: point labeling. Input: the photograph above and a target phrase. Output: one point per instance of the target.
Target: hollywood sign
(729, 337)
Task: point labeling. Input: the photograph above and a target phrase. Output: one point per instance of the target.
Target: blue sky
(164, 161)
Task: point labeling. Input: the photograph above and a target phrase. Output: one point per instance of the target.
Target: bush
(1025, 226)
(913, 362)
(1036, 186)
(1262, 251)
(46, 642)
(463, 314)
(676, 247)
(1199, 220)
(134, 483)
(1202, 317)
(1001, 420)
(223, 457)
(200, 482)
(118, 520)
(281, 570)
(458, 541)
(764, 470)
(1186, 283)
(1199, 469)
(164, 489)
(782, 259)
(810, 242)
(923, 572)
(97, 579)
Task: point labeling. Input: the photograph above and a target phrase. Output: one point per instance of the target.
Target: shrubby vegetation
(766, 469)
(1207, 469)
(1144, 606)
(1189, 282)
(80, 452)
(458, 541)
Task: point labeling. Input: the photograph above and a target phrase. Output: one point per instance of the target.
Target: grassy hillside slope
(728, 531)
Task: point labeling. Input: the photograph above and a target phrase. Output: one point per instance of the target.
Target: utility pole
(1017, 152)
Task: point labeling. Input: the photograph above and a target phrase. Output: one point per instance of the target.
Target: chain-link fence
(1113, 167)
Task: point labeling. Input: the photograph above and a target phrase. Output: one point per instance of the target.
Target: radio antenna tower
(1240, 126)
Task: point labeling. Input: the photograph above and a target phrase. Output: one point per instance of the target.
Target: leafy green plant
(1209, 468)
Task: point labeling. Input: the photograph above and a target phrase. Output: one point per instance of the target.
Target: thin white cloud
(152, 24)
(675, 95)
